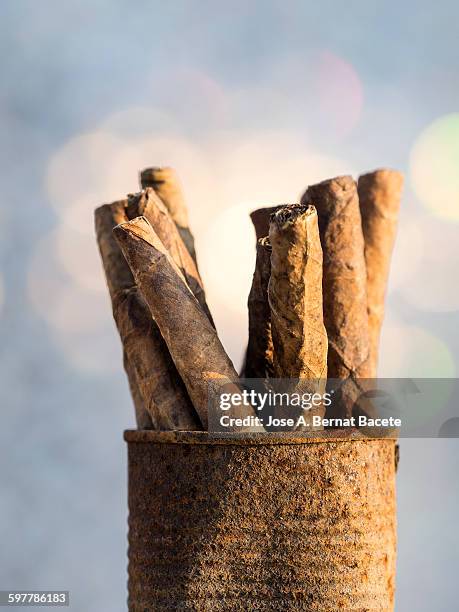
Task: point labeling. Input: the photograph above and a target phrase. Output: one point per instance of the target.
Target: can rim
(146, 436)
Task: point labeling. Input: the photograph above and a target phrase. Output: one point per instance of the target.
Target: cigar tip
(138, 196)
(138, 203)
(138, 226)
(265, 210)
(289, 213)
(107, 216)
(344, 182)
(329, 192)
(117, 205)
(139, 230)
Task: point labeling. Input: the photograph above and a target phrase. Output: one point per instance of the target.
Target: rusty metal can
(261, 522)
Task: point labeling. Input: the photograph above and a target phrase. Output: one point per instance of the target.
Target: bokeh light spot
(339, 92)
(100, 167)
(409, 351)
(434, 167)
(425, 265)
(407, 257)
(79, 319)
(79, 256)
(228, 256)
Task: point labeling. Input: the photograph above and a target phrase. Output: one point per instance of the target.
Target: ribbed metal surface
(285, 526)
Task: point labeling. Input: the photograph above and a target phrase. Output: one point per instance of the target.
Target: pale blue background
(65, 68)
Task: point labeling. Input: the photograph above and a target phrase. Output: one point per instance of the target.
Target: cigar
(166, 184)
(344, 284)
(119, 279)
(295, 298)
(379, 196)
(142, 417)
(259, 356)
(192, 340)
(160, 398)
(148, 204)
(260, 219)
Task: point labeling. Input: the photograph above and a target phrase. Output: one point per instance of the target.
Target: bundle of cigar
(316, 303)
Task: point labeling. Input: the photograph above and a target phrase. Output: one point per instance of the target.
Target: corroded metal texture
(279, 524)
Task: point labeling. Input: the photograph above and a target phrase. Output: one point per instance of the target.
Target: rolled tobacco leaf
(295, 298)
(142, 416)
(192, 340)
(160, 398)
(148, 204)
(379, 195)
(119, 280)
(344, 285)
(260, 220)
(259, 356)
(166, 184)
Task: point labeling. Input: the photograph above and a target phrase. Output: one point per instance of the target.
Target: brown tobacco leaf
(295, 299)
(148, 204)
(160, 398)
(167, 186)
(260, 219)
(295, 295)
(192, 340)
(119, 278)
(344, 287)
(379, 195)
(259, 357)
(344, 275)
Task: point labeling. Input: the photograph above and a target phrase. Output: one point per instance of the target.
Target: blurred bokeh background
(251, 101)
